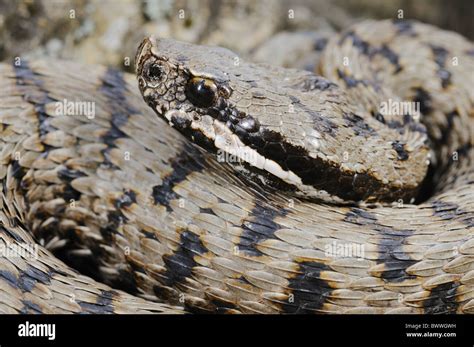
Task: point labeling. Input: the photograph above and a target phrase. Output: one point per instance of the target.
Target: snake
(207, 183)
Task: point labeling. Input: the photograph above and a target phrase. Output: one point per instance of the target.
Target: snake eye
(201, 92)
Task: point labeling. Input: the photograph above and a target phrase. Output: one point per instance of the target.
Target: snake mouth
(217, 137)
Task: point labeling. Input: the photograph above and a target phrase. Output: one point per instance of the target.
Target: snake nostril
(155, 72)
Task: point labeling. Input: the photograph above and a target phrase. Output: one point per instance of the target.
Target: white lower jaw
(228, 142)
(225, 140)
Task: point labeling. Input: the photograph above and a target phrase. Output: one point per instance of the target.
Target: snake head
(181, 90)
(283, 127)
(202, 92)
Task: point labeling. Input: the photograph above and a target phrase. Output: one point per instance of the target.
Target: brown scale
(199, 235)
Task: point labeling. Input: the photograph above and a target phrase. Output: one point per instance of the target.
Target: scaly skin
(145, 209)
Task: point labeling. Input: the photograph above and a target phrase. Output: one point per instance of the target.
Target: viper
(346, 190)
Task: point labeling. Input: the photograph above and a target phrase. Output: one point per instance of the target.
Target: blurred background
(108, 32)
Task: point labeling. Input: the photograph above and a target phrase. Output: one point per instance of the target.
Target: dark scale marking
(417, 127)
(260, 226)
(180, 264)
(353, 82)
(365, 48)
(114, 88)
(68, 175)
(358, 125)
(128, 198)
(399, 147)
(442, 299)
(112, 134)
(320, 44)
(452, 211)
(17, 170)
(462, 151)
(389, 247)
(11, 233)
(314, 82)
(413, 125)
(395, 124)
(223, 307)
(70, 194)
(361, 45)
(395, 260)
(114, 220)
(103, 304)
(445, 135)
(149, 235)
(390, 55)
(244, 280)
(107, 163)
(26, 283)
(444, 210)
(38, 275)
(308, 289)
(26, 76)
(106, 298)
(407, 119)
(424, 99)
(184, 164)
(206, 210)
(409, 122)
(320, 123)
(445, 77)
(27, 279)
(405, 27)
(10, 278)
(359, 216)
(378, 116)
(30, 308)
(440, 55)
(350, 81)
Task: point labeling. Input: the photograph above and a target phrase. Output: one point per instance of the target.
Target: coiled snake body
(313, 209)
